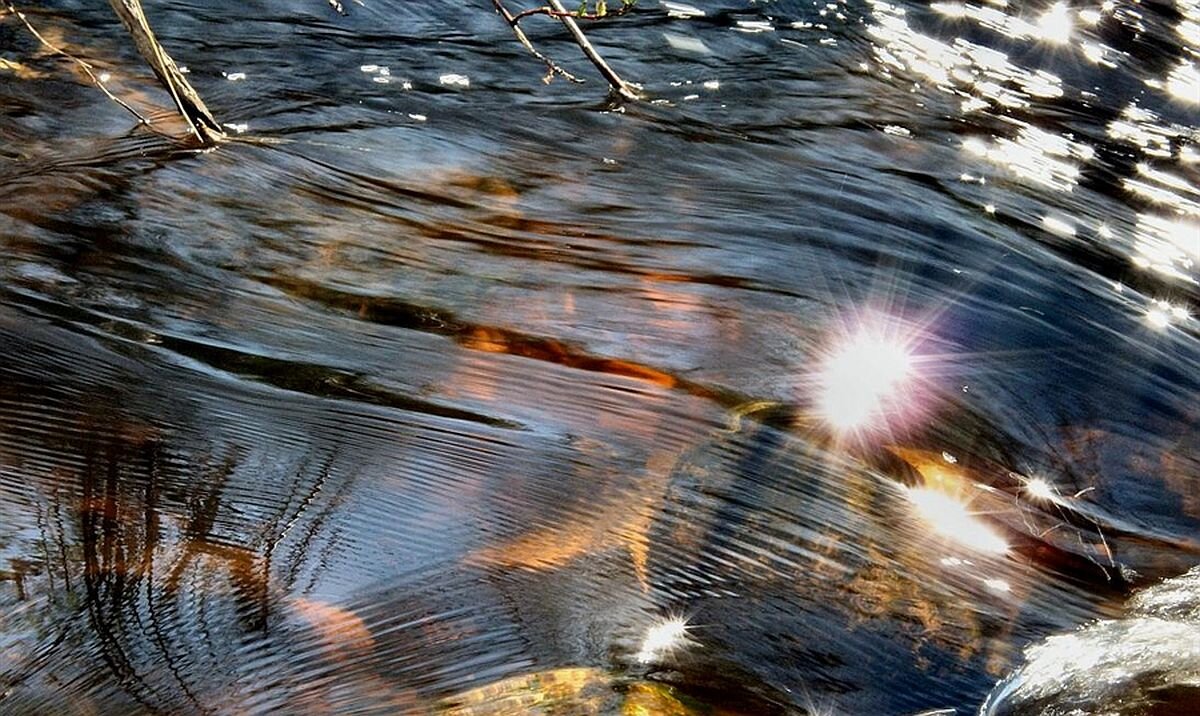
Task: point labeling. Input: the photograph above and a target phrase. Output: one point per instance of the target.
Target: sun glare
(860, 377)
(1055, 24)
(663, 638)
(1039, 489)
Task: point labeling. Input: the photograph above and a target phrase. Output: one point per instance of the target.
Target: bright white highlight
(1058, 227)
(1055, 24)
(1184, 83)
(453, 79)
(1158, 317)
(997, 585)
(950, 518)
(663, 638)
(860, 377)
(1106, 665)
(1038, 488)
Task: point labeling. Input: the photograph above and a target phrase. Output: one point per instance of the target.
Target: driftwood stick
(200, 120)
(564, 16)
(83, 65)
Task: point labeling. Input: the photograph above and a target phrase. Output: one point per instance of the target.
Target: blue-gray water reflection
(858, 359)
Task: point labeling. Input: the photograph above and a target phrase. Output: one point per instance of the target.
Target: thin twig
(83, 65)
(553, 67)
(551, 12)
(573, 27)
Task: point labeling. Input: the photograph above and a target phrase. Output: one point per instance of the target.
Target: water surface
(419, 396)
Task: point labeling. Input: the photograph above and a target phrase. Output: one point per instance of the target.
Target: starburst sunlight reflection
(664, 638)
(1038, 489)
(1055, 24)
(861, 377)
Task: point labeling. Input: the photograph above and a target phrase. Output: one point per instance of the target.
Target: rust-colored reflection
(624, 521)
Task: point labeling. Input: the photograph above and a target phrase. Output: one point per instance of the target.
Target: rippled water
(865, 346)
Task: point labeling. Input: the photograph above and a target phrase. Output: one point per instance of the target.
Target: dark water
(431, 398)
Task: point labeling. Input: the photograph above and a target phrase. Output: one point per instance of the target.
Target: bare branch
(512, 21)
(573, 27)
(200, 120)
(556, 10)
(83, 65)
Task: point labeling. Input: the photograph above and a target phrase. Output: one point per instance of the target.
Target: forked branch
(555, 9)
(207, 129)
(551, 66)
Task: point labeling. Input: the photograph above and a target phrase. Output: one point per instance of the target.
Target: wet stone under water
(856, 371)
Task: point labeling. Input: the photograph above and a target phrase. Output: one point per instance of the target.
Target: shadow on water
(423, 398)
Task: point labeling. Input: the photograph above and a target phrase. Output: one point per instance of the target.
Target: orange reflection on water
(943, 502)
(341, 632)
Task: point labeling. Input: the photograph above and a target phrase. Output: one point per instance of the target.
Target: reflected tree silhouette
(167, 578)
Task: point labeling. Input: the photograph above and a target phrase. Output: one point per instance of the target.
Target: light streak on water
(1035, 154)
(950, 518)
(1184, 83)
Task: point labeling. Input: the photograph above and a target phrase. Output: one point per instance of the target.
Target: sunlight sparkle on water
(1158, 317)
(1055, 24)
(1184, 83)
(663, 638)
(1058, 226)
(1035, 154)
(1167, 245)
(860, 377)
(950, 518)
(1096, 53)
(1161, 314)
